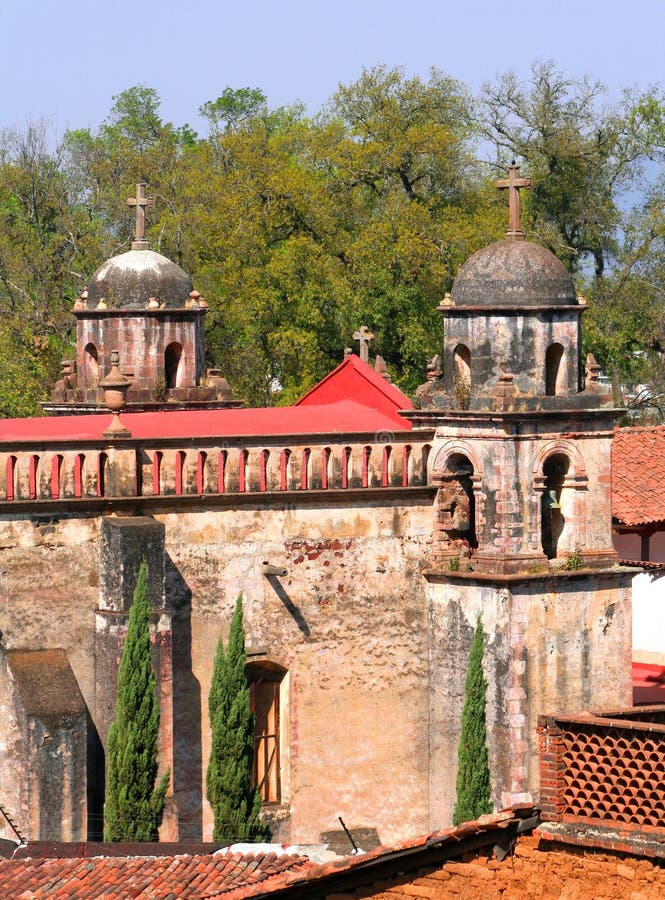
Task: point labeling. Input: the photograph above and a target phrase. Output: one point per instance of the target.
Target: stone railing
(170, 468)
(604, 768)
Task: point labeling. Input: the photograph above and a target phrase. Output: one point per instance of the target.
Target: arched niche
(172, 357)
(554, 370)
(552, 518)
(457, 503)
(462, 374)
(91, 366)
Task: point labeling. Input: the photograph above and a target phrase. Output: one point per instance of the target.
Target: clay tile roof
(638, 475)
(318, 873)
(155, 877)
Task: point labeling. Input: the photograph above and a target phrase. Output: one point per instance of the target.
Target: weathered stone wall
(141, 338)
(559, 643)
(501, 343)
(348, 622)
(508, 461)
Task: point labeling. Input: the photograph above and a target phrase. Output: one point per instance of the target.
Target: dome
(129, 280)
(513, 273)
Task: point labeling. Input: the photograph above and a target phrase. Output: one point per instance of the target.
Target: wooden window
(265, 694)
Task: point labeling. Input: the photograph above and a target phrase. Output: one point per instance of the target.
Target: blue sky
(64, 60)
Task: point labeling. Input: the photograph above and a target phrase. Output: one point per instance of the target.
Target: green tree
(235, 803)
(233, 108)
(134, 806)
(473, 774)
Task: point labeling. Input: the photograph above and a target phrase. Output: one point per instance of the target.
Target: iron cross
(140, 202)
(513, 183)
(364, 336)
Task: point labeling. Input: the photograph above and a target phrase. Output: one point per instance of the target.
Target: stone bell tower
(522, 531)
(141, 305)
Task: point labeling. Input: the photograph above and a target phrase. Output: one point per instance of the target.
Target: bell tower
(522, 520)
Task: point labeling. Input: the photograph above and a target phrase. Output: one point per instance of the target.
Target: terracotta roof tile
(638, 475)
(156, 877)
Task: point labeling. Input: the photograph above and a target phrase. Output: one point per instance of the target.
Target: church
(365, 532)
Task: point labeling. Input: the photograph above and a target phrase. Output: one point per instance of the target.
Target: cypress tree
(235, 803)
(473, 774)
(134, 806)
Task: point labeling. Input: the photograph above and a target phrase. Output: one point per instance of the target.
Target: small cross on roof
(140, 202)
(513, 184)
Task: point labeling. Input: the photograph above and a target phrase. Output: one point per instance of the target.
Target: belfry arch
(459, 500)
(559, 504)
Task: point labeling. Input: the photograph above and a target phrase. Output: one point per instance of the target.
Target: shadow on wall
(295, 611)
(187, 751)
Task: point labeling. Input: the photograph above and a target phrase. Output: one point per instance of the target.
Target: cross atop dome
(513, 184)
(140, 202)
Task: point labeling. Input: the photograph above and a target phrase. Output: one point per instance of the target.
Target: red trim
(56, 466)
(11, 477)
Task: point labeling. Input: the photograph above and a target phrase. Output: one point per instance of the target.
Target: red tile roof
(638, 475)
(119, 878)
(354, 378)
(318, 877)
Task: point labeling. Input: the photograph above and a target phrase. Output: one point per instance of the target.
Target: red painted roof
(354, 378)
(648, 683)
(119, 877)
(638, 475)
(330, 418)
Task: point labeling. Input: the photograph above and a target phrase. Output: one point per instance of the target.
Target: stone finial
(102, 304)
(153, 303)
(215, 380)
(192, 301)
(115, 387)
(505, 392)
(513, 184)
(592, 371)
(363, 336)
(141, 202)
(81, 301)
(381, 368)
(581, 299)
(348, 351)
(447, 301)
(434, 368)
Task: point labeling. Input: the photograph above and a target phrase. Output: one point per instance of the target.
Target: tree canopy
(299, 228)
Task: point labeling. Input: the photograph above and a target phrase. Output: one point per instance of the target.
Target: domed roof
(129, 280)
(513, 273)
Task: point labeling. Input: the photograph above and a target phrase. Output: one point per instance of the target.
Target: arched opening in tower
(553, 370)
(462, 376)
(91, 364)
(553, 522)
(172, 356)
(456, 503)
